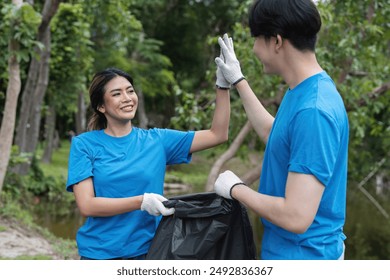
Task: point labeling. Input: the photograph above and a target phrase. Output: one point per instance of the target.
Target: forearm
(274, 209)
(219, 130)
(221, 117)
(259, 117)
(103, 207)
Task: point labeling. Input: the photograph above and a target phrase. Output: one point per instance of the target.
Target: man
(302, 191)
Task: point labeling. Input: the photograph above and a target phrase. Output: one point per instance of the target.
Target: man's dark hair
(296, 20)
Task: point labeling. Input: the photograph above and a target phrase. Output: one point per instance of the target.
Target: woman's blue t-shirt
(123, 167)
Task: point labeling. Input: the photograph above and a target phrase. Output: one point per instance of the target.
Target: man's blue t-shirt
(310, 136)
(123, 167)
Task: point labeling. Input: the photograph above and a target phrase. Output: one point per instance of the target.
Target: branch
(378, 91)
(227, 156)
(252, 175)
(367, 194)
(358, 74)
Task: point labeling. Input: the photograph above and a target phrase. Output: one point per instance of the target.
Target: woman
(116, 170)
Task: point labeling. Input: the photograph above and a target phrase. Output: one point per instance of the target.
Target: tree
(70, 66)
(18, 19)
(27, 133)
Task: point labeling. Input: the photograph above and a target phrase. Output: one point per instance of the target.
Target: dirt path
(17, 240)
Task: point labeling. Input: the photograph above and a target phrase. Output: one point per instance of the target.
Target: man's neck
(299, 66)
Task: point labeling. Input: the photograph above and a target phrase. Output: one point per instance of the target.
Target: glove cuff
(223, 88)
(236, 184)
(239, 80)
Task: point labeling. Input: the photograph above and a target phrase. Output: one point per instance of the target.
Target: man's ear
(278, 42)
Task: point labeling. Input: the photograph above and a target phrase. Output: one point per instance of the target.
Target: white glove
(231, 66)
(221, 81)
(152, 203)
(225, 182)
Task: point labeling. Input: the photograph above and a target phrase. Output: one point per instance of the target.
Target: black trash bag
(205, 226)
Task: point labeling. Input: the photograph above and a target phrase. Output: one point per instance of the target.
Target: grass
(58, 167)
(37, 257)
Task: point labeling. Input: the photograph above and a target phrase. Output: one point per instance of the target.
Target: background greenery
(169, 47)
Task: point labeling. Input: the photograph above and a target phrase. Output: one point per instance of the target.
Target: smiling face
(120, 101)
(264, 51)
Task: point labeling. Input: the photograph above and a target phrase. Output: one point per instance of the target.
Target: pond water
(61, 225)
(64, 227)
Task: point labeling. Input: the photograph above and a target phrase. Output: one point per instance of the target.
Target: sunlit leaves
(21, 24)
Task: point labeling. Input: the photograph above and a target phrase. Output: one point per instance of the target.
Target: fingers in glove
(167, 211)
(228, 41)
(221, 55)
(231, 44)
(160, 197)
(224, 48)
(162, 210)
(219, 62)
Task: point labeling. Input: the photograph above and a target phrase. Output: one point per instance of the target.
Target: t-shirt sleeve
(177, 145)
(315, 144)
(80, 163)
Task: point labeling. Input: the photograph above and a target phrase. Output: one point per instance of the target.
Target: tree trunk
(81, 122)
(36, 85)
(141, 112)
(11, 101)
(50, 122)
(252, 175)
(27, 98)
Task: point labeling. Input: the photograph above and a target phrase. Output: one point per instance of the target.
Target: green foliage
(152, 75)
(11, 208)
(183, 26)
(151, 68)
(30, 189)
(71, 58)
(120, 41)
(114, 31)
(20, 24)
(189, 114)
(353, 48)
(17, 157)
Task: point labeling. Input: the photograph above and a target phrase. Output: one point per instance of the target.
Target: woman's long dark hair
(96, 93)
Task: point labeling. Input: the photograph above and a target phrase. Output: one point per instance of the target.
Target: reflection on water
(64, 226)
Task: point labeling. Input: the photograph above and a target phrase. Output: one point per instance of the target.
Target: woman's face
(120, 101)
